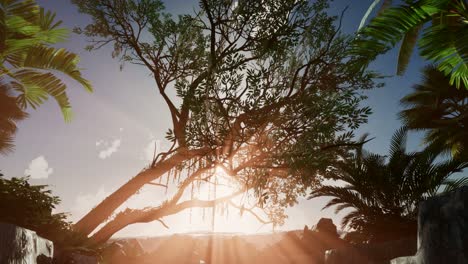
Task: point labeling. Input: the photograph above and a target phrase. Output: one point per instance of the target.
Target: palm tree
(438, 108)
(384, 191)
(29, 65)
(444, 42)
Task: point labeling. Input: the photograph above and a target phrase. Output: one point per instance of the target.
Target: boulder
(75, 256)
(372, 253)
(20, 245)
(323, 237)
(443, 229)
(404, 260)
(326, 226)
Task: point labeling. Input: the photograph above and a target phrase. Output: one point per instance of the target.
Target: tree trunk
(104, 210)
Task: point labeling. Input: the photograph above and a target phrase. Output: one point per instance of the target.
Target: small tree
(254, 79)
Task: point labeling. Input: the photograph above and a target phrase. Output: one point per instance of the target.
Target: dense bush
(30, 206)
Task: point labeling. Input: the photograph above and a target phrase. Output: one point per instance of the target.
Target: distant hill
(297, 246)
(260, 241)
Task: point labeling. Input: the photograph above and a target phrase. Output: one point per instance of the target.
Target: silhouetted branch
(261, 220)
(157, 184)
(162, 222)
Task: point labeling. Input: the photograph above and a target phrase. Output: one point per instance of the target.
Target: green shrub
(30, 206)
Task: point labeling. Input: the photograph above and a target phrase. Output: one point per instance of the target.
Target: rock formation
(19, 245)
(442, 230)
(310, 248)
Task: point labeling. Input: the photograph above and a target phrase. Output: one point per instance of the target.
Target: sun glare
(227, 216)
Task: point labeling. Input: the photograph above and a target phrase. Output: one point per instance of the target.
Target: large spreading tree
(248, 84)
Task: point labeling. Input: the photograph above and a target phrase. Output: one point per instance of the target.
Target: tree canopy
(246, 83)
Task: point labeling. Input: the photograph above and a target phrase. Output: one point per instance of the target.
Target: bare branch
(157, 184)
(261, 220)
(162, 222)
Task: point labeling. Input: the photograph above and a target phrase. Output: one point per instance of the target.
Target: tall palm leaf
(444, 42)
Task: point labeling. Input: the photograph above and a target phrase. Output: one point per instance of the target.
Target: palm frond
(27, 9)
(6, 143)
(383, 191)
(50, 31)
(406, 49)
(387, 29)
(385, 5)
(438, 108)
(441, 44)
(36, 86)
(451, 184)
(348, 218)
(10, 113)
(48, 58)
(398, 142)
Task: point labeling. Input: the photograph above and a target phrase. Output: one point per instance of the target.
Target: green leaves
(29, 66)
(28, 60)
(47, 58)
(31, 206)
(439, 109)
(406, 49)
(444, 42)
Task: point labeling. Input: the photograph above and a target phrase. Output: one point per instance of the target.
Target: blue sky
(115, 127)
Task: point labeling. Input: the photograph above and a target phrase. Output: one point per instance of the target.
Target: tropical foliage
(444, 42)
(441, 111)
(382, 193)
(29, 64)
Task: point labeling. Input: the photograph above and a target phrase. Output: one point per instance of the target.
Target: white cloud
(104, 154)
(39, 169)
(121, 129)
(99, 143)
